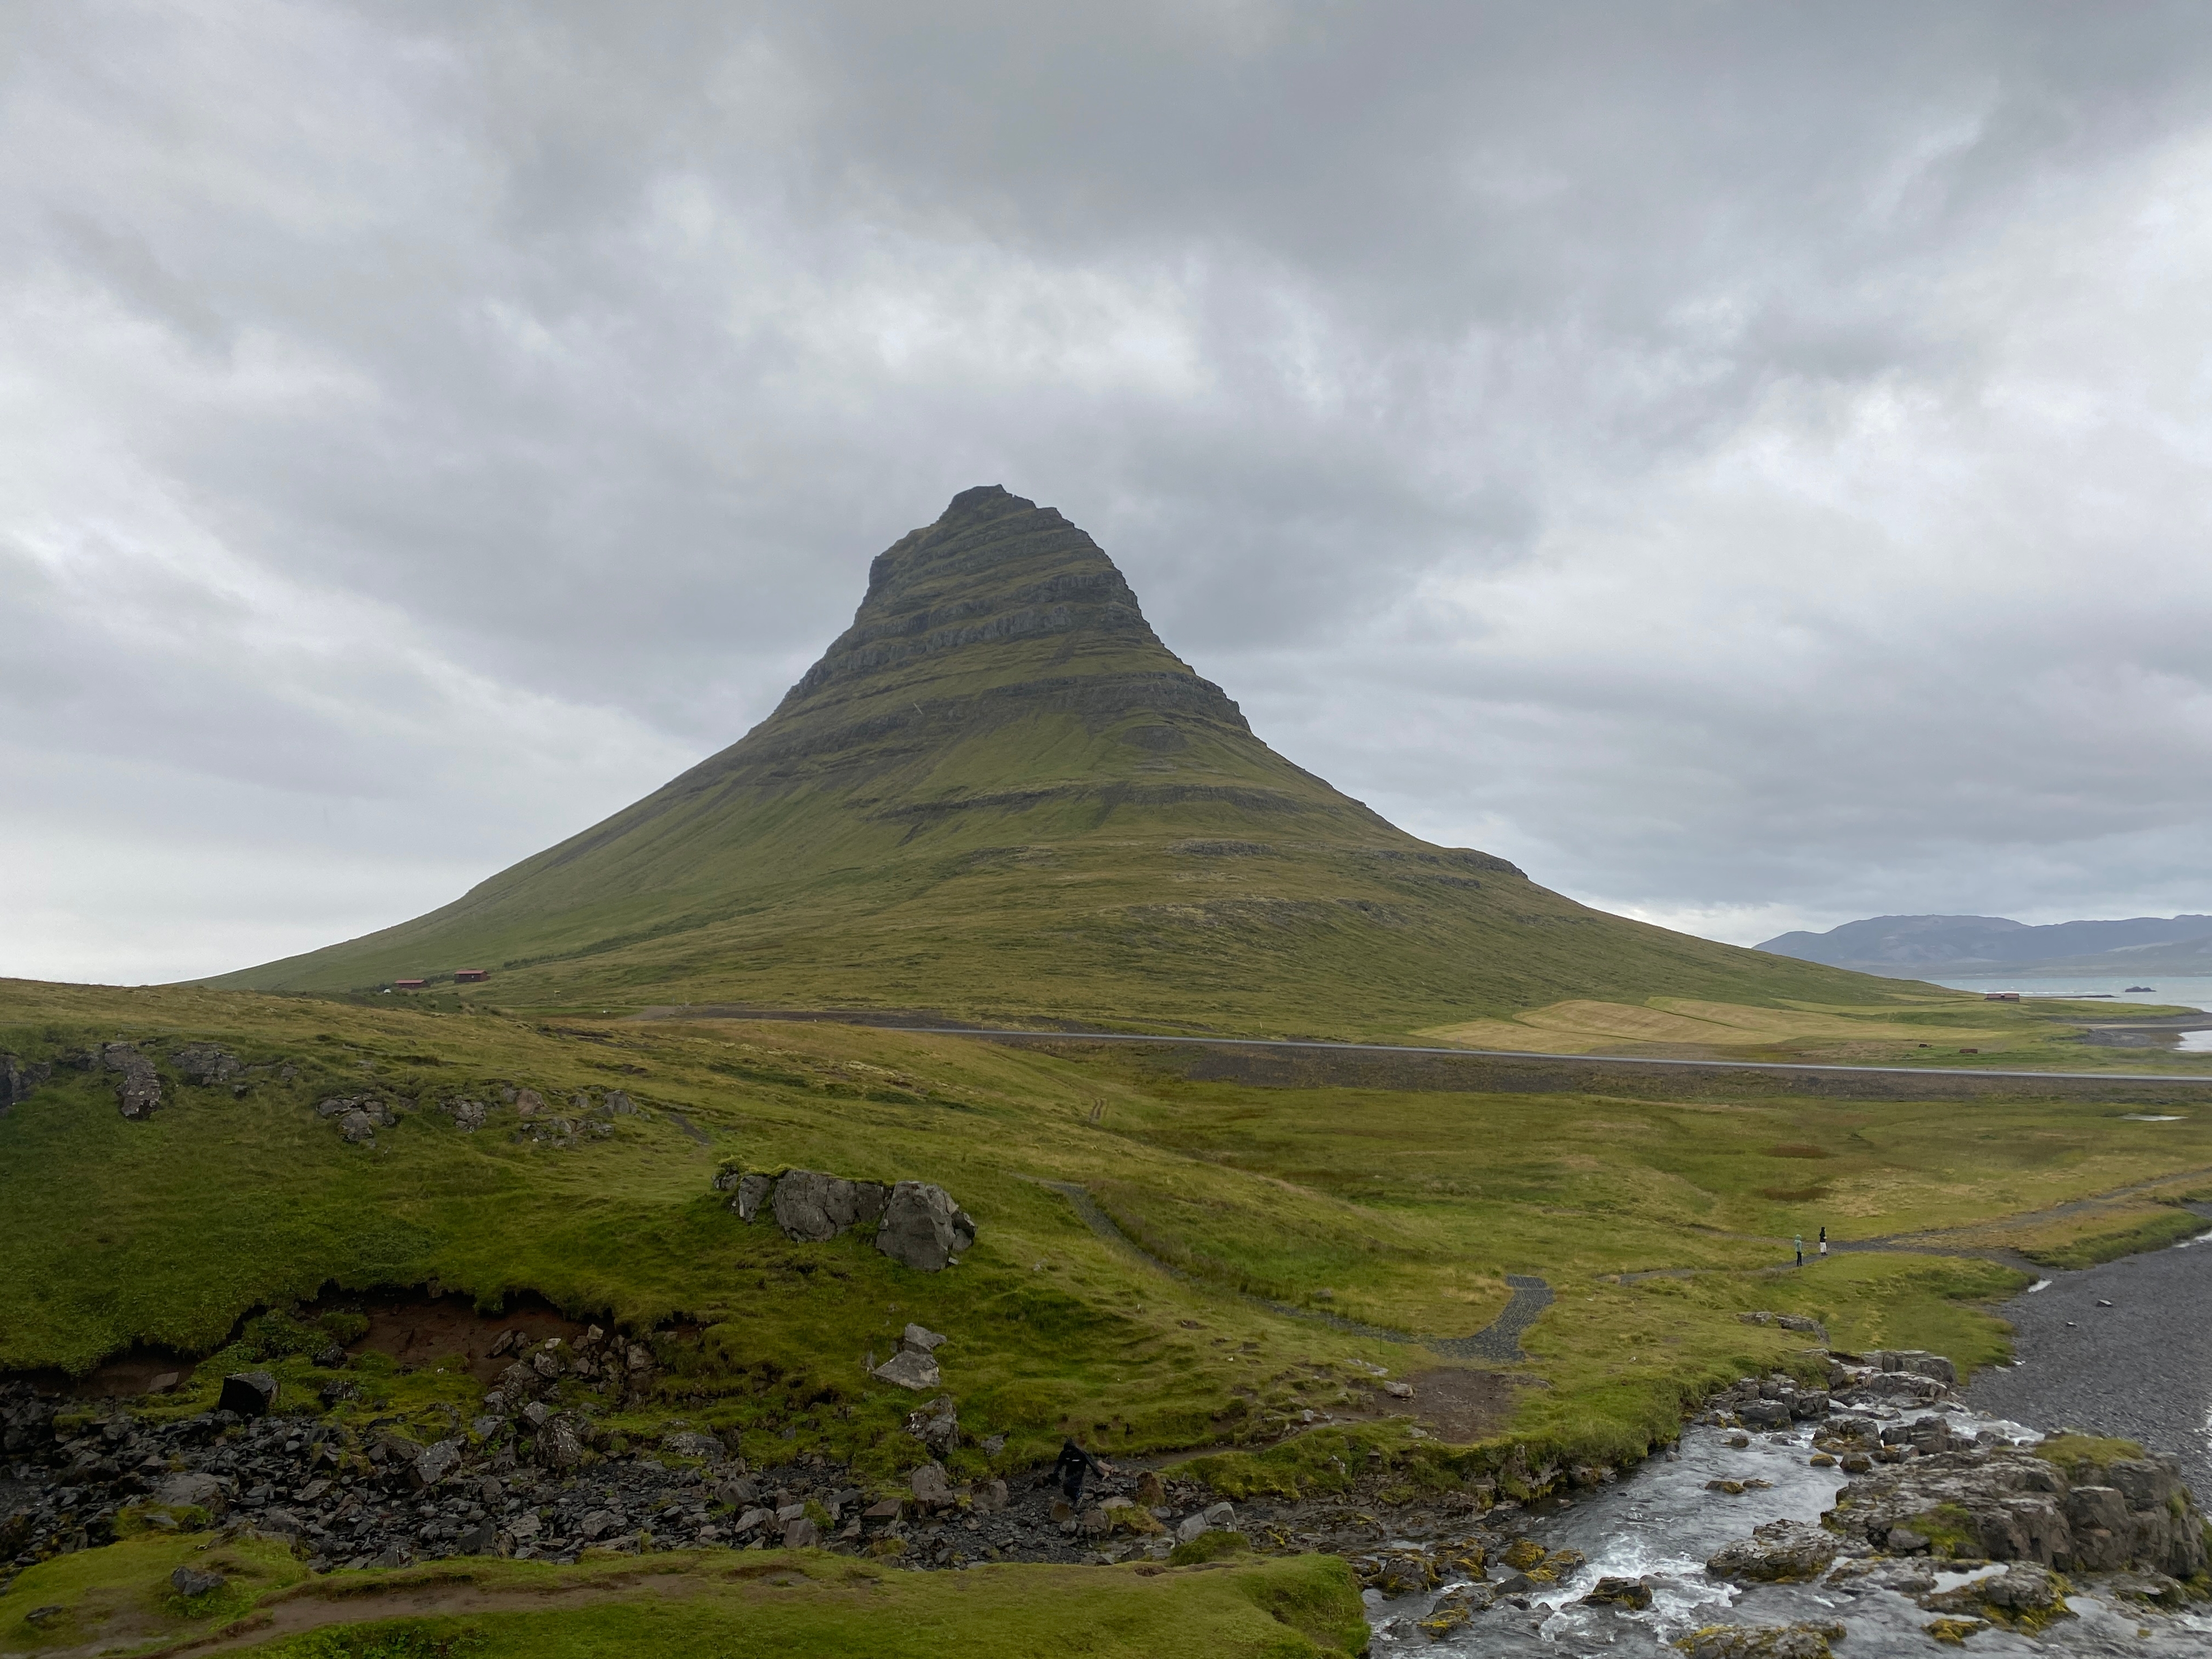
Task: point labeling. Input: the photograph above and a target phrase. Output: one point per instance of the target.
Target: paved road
(2140, 1369)
(894, 1022)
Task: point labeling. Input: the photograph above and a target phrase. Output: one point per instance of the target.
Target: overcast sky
(1750, 464)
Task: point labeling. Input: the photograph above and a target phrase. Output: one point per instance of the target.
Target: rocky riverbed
(1886, 1516)
(1880, 1510)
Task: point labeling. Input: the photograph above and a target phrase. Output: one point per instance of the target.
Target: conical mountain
(998, 794)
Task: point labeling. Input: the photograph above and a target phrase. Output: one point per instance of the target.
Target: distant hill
(999, 794)
(1908, 946)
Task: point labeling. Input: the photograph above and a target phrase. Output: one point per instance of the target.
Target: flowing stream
(1662, 1521)
(2123, 1349)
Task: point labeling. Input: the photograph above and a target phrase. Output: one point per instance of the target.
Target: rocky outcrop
(922, 1228)
(207, 1065)
(18, 1078)
(138, 1087)
(2016, 1504)
(358, 1117)
(915, 1223)
(814, 1208)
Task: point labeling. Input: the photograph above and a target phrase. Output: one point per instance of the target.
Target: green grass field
(1400, 1209)
(781, 1605)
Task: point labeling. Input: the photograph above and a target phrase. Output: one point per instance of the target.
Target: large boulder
(812, 1207)
(1781, 1552)
(922, 1228)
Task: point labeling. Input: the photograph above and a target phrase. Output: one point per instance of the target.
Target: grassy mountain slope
(999, 794)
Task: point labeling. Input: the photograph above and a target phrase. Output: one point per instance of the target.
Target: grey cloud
(1734, 459)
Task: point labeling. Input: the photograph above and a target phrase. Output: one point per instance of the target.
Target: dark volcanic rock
(250, 1394)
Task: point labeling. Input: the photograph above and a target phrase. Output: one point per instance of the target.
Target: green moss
(2076, 1454)
(1949, 1530)
(1214, 1545)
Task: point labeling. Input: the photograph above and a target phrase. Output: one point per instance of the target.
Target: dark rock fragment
(189, 1581)
(249, 1394)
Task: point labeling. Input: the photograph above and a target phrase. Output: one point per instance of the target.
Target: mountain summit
(998, 794)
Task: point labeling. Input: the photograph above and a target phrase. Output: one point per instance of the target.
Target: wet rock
(250, 1394)
(812, 1207)
(1916, 1362)
(1781, 1552)
(1394, 1573)
(1766, 1414)
(1761, 1642)
(2023, 1591)
(189, 1581)
(2006, 1504)
(1456, 1607)
(1909, 1577)
(1634, 1593)
(922, 1228)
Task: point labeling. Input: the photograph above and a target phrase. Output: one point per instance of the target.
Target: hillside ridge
(999, 793)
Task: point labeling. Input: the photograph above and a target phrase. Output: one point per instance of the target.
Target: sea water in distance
(2177, 991)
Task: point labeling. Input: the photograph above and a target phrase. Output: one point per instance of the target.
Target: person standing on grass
(1824, 1242)
(1800, 1249)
